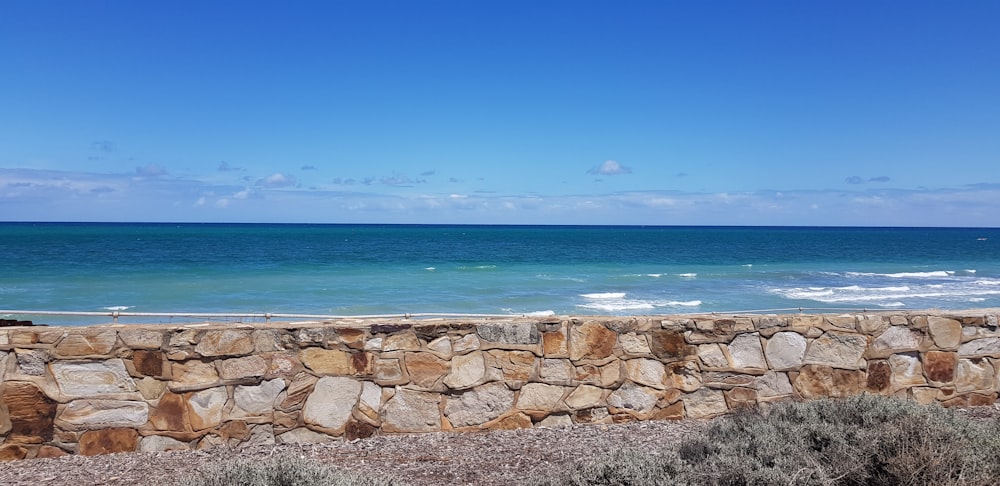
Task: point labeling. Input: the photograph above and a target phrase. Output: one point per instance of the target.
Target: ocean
(517, 270)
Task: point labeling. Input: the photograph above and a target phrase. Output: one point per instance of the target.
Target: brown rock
(149, 363)
(356, 429)
(669, 345)
(979, 400)
(390, 371)
(946, 333)
(108, 441)
(555, 344)
(939, 366)
(515, 365)
(327, 361)
(239, 368)
(818, 381)
(227, 342)
(281, 365)
(48, 452)
(170, 413)
(13, 452)
(427, 371)
(300, 388)
(30, 412)
(674, 411)
(879, 376)
(511, 422)
(591, 340)
(142, 338)
(87, 342)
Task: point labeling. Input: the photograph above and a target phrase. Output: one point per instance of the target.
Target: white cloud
(151, 170)
(610, 167)
(277, 180)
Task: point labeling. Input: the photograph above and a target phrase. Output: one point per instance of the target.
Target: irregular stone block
(370, 401)
(974, 375)
(906, 371)
(266, 340)
(946, 333)
(844, 321)
(171, 413)
(837, 349)
(330, 404)
(30, 413)
(633, 397)
(281, 365)
(108, 441)
(674, 411)
(252, 366)
(591, 340)
(303, 435)
(327, 361)
(557, 371)
(516, 366)
(467, 370)
(899, 339)
(479, 405)
(150, 388)
(300, 388)
(227, 342)
(584, 397)
(426, 370)
(441, 347)
(772, 385)
(740, 397)
(819, 381)
(746, 351)
(540, 396)
(684, 375)
(555, 344)
(12, 452)
(160, 443)
(712, 356)
(193, 375)
(669, 345)
(412, 411)
(390, 371)
(205, 407)
(101, 414)
(980, 347)
(726, 380)
(87, 342)
(465, 344)
(150, 363)
(879, 376)
(704, 403)
(32, 362)
(785, 350)
(649, 372)
(256, 400)
(78, 379)
(940, 366)
(404, 341)
(520, 333)
(873, 325)
(634, 344)
(556, 420)
(511, 422)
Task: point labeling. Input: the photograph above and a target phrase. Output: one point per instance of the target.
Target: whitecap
(430, 269)
(618, 306)
(604, 295)
(654, 275)
(544, 313)
(687, 275)
(971, 270)
(117, 307)
(689, 303)
(893, 304)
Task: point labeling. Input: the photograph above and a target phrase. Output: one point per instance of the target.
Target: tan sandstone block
(591, 340)
(252, 366)
(425, 370)
(946, 333)
(108, 441)
(327, 361)
(87, 342)
(227, 342)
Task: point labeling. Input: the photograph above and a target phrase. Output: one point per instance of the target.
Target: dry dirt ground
(487, 458)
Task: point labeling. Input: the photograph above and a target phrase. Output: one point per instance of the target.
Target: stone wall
(93, 390)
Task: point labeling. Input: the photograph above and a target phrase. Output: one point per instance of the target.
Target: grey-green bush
(868, 440)
(280, 470)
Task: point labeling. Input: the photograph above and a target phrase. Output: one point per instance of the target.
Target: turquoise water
(374, 269)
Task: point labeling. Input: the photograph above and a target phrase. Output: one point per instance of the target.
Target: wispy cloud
(879, 179)
(427, 173)
(308, 167)
(277, 181)
(102, 146)
(610, 167)
(854, 180)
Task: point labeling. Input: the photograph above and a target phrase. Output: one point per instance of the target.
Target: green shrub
(281, 470)
(867, 440)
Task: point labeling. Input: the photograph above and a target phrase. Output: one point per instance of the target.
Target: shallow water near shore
(391, 269)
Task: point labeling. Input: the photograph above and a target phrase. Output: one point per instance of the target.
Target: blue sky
(581, 112)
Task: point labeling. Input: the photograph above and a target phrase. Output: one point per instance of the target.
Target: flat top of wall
(361, 323)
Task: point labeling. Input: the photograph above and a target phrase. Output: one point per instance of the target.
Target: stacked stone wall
(113, 388)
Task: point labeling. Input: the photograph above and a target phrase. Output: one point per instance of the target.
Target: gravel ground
(486, 458)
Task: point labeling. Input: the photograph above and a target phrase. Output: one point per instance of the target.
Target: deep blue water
(377, 269)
